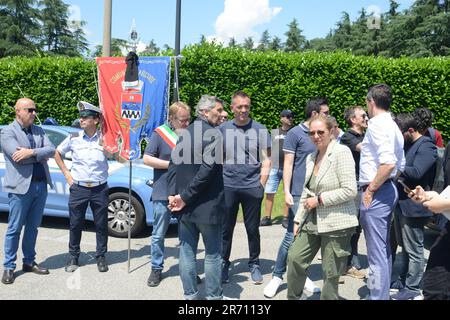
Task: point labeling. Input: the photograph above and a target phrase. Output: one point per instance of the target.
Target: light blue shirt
(89, 163)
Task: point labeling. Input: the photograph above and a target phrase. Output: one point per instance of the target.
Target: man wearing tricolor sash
(157, 156)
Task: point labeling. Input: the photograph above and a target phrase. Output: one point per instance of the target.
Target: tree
(249, 44)
(79, 41)
(19, 27)
(342, 35)
(202, 39)
(151, 49)
(276, 44)
(117, 46)
(232, 43)
(295, 40)
(57, 37)
(393, 6)
(264, 43)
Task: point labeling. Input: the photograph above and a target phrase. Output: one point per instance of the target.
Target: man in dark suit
(196, 192)
(26, 149)
(410, 217)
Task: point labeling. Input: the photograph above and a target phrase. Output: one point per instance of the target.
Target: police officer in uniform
(87, 181)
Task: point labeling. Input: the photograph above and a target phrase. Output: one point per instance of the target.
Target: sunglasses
(318, 132)
(30, 110)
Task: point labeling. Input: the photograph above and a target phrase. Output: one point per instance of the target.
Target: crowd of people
(378, 177)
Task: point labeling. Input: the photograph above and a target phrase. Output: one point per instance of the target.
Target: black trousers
(97, 199)
(250, 199)
(436, 280)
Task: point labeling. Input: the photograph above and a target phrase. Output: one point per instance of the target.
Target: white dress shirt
(382, 144)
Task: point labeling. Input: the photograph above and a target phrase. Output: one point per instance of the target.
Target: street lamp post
(107, 28)
(176, 92)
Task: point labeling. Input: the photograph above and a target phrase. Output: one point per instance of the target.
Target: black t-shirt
(158, 148)
(351, 139)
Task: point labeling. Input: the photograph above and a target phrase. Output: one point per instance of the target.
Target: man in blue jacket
(26, 149)
(410, 217)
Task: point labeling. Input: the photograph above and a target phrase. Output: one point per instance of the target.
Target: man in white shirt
(382, 157)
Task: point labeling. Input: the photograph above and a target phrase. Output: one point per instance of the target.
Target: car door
(58, 196)
(3, 195)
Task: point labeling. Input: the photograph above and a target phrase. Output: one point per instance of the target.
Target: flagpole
(176, 89)
(129, 214)
(107, 28)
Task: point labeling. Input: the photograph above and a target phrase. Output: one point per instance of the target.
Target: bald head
(25, 111)
(24, 103)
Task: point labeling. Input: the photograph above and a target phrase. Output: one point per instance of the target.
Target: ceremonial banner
(131, 113)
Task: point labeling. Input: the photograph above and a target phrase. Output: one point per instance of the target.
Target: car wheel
(118, 223)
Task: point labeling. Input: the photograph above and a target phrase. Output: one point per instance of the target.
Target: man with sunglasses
(88, 186)
(26, 149)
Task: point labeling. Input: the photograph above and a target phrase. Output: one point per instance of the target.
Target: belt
(37, 179)
(89, 184)
(364, 187)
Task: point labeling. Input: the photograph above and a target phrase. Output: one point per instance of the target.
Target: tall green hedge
(275, 81)
(278, 81)
(55, 84)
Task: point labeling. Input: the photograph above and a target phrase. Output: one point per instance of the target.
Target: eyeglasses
(318, 132)
(183, 120)
(30, 110)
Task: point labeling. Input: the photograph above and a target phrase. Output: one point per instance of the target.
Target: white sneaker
(311, 286)
(272, 287)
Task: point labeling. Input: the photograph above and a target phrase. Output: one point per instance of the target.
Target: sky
(218, 19)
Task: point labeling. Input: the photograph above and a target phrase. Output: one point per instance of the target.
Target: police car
(118, 182)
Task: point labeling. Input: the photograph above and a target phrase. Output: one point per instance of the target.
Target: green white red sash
(168, 135)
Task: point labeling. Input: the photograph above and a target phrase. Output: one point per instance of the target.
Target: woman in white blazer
(327, 216)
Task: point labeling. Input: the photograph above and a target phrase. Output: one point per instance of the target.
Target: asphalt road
(118, 284)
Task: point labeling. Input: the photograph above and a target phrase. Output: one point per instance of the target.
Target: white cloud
(240, 17)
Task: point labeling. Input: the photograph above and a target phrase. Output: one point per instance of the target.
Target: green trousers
(335, 248)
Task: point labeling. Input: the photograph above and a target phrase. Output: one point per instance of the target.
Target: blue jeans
(275, 177)
(280, 263)
(413, 262)
(160, 225)
(375, 221)
(212, 238)
(24, 210)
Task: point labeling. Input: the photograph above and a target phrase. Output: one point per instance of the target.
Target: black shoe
(72, 265)
(285, 222)
(199, 280)
(265, 222)
(35, 268)
(102, 266)
(8, 276)
(155, 278)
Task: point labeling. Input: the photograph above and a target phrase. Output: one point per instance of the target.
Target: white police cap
(88, 109)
